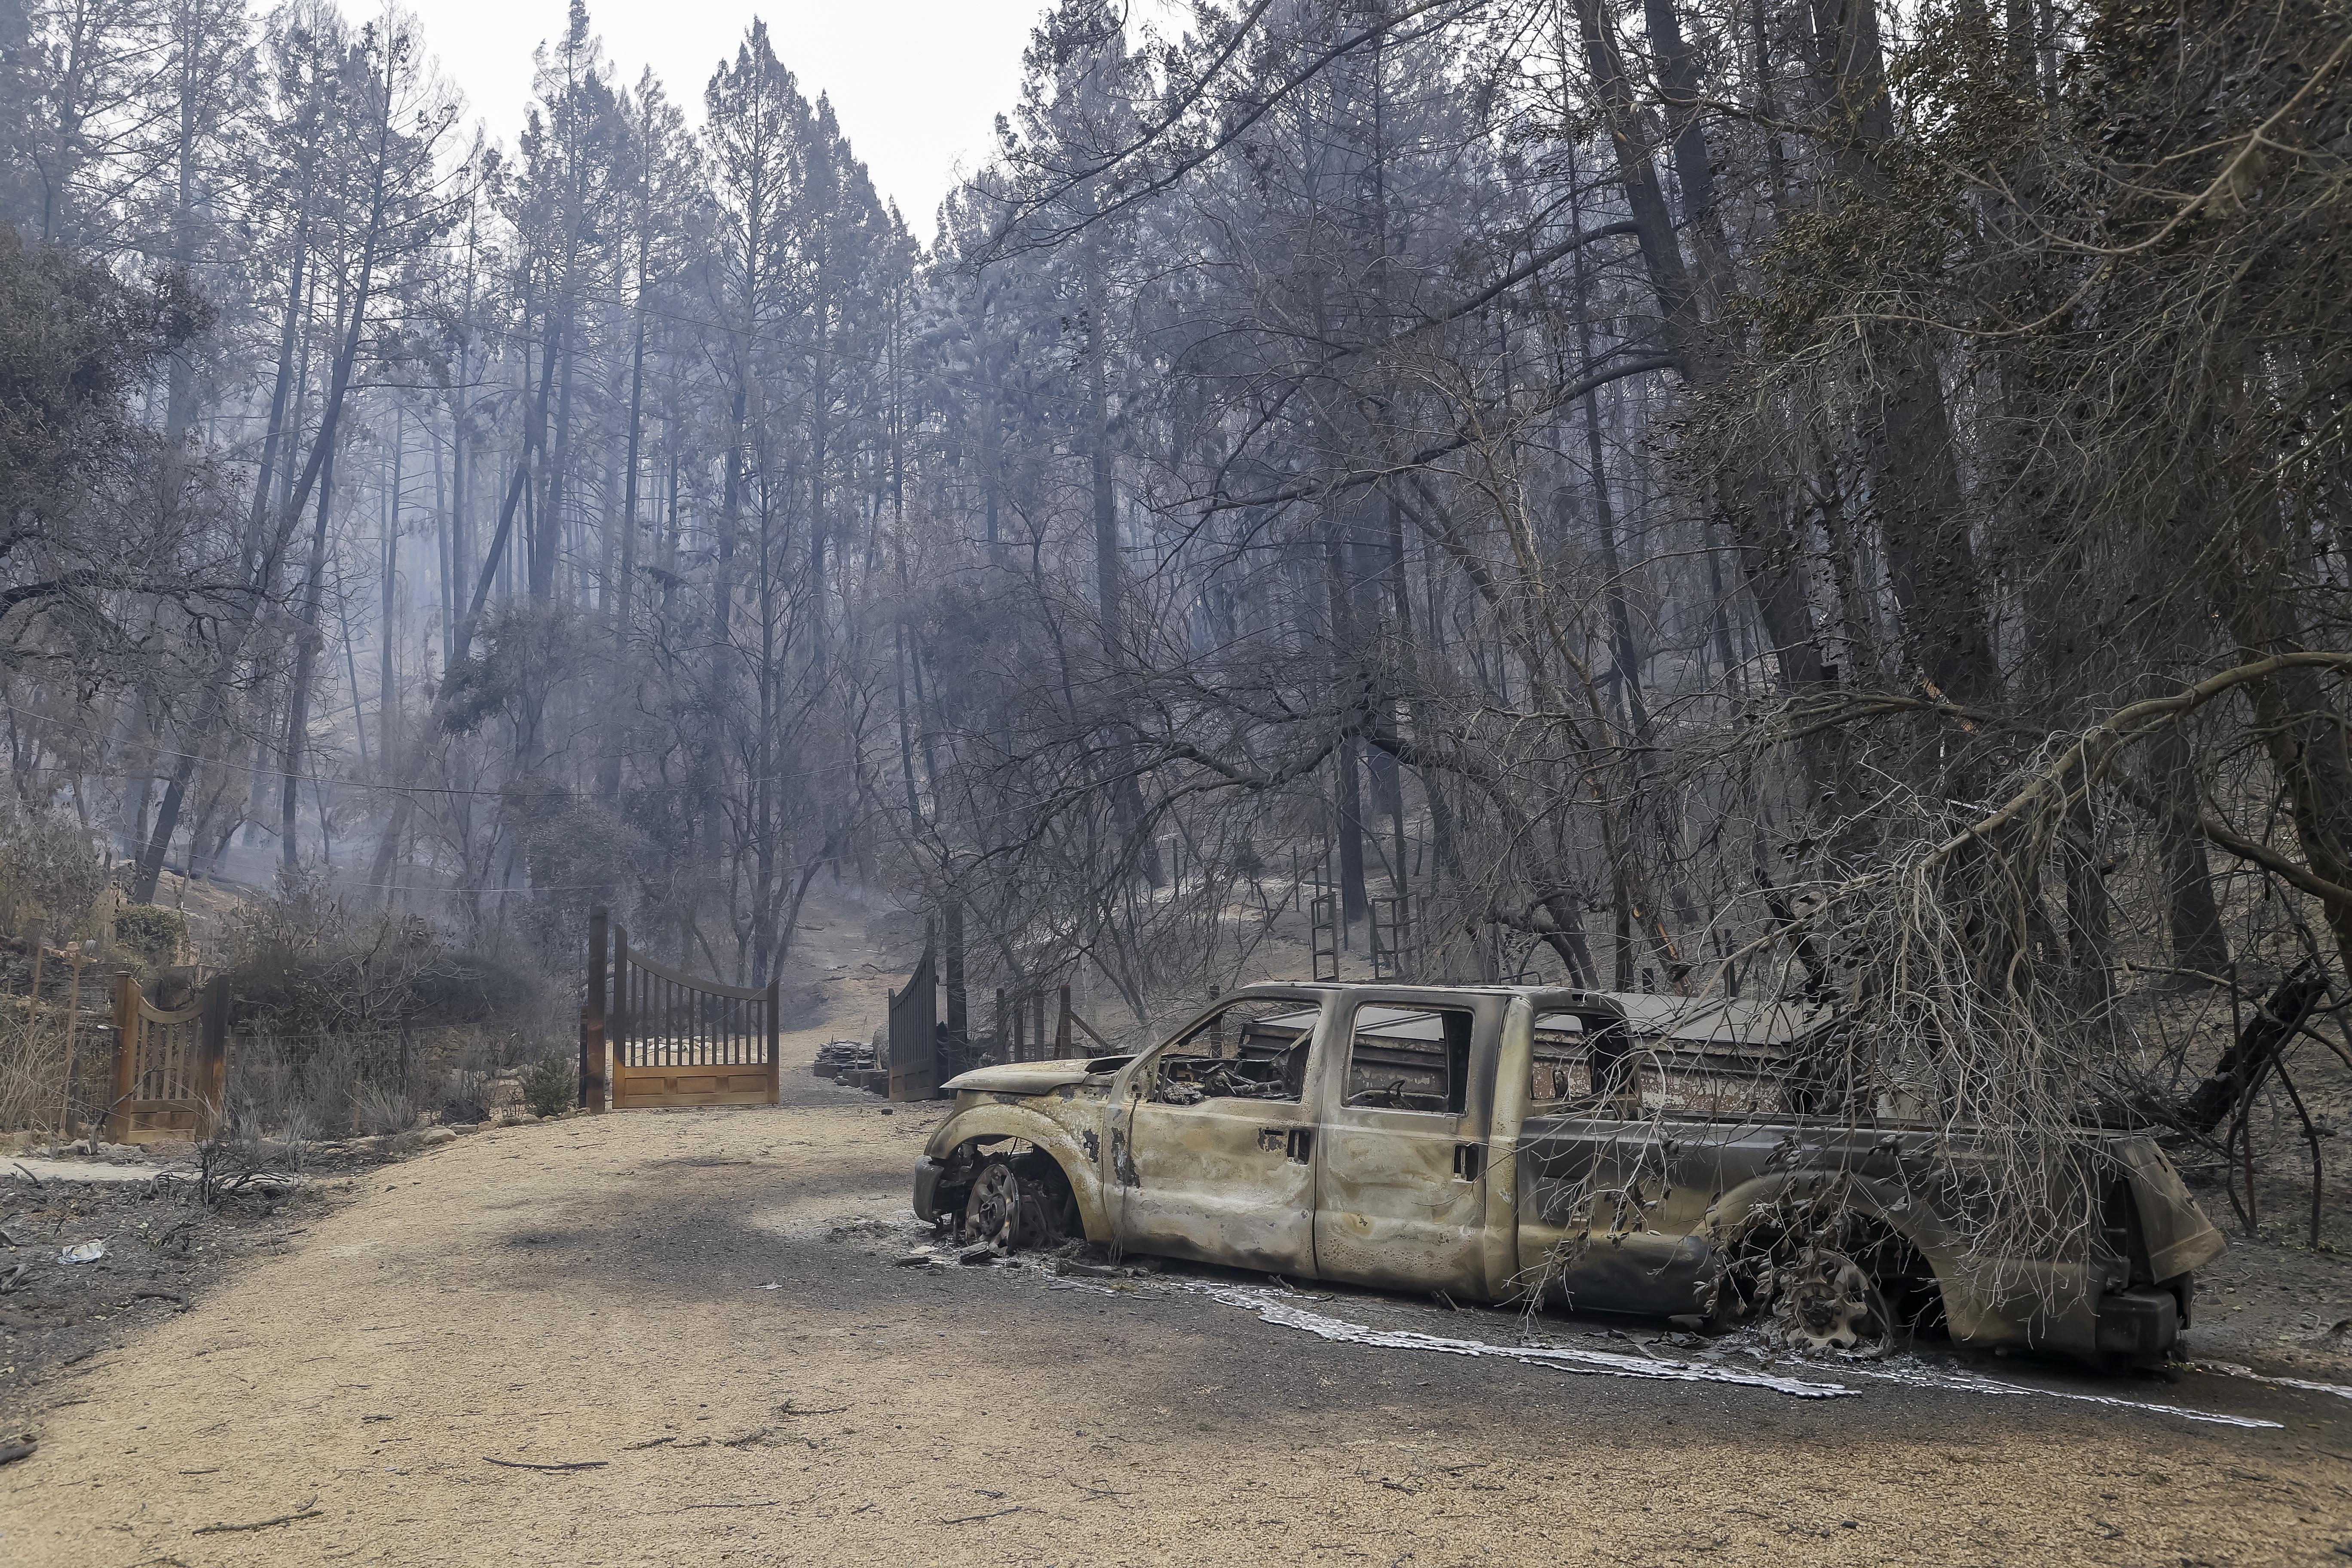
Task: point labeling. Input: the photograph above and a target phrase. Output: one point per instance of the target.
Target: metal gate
(674, 1038)
(914, 1035)
(171, 1066)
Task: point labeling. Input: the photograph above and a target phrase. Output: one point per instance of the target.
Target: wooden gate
(676, 1038)
(171, 1068)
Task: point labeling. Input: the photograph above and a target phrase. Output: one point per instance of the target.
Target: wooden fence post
(126, 1054)
(1062, 1030)
(592, 1017)
(775, 1069)
(616, 1013)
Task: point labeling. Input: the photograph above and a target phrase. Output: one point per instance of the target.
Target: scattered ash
(163, 1248)
(166, 1241)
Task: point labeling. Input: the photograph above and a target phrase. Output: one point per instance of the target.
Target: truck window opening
(1403, 1058)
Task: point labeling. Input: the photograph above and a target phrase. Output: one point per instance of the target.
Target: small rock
(433, 1135)
(915, 1260)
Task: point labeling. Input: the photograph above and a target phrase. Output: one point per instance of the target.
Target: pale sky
(916, 84)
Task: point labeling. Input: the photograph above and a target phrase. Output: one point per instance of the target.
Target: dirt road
(667, 1337)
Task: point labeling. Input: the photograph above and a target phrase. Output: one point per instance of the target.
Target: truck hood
(1034, 1078)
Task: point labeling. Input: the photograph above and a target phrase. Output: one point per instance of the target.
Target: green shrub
(552, 1085)
(151, 932)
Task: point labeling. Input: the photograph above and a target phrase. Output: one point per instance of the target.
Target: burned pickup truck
(1604, 1151)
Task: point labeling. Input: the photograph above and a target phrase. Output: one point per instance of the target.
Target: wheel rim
(1828, 1304)
(992, 1214)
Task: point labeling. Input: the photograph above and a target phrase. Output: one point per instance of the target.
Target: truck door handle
(1301, 1145)
(1469, 1161)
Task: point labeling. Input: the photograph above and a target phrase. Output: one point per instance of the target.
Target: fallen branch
(307, 1511)
(527, 1465)
(976, 1518)
(2221, 837)
(2089, 751)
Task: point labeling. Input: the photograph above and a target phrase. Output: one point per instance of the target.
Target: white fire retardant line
(2232, 1369)
(1976, 1383)
(1272, 1308)
(1280, 1310)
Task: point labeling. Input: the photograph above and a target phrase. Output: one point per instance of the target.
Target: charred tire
(1018, 1202)
(1854, 1290)
(1825, 1303)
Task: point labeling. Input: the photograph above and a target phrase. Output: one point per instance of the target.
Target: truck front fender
(1077, 1150)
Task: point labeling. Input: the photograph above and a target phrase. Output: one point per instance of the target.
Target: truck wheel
(1824, 1301)
(1021, 1201)
(992, 1214)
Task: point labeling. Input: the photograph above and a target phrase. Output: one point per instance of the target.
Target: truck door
(1399, 1192)
(1213, 1140)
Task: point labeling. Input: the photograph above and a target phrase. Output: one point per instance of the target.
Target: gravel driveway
(688, 1337)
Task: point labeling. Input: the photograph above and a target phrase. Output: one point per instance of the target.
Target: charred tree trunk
(2240, 1071)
